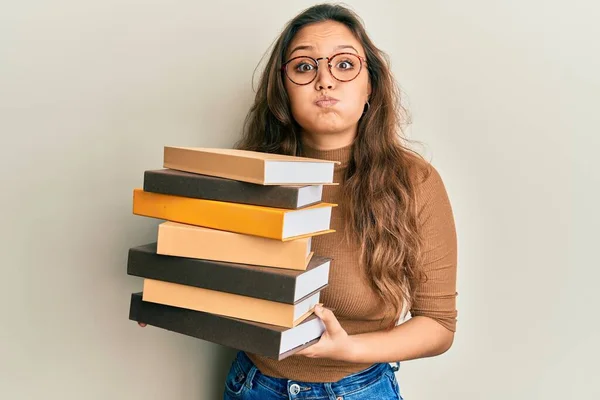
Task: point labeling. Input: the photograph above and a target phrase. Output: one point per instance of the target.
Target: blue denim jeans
(245, 382)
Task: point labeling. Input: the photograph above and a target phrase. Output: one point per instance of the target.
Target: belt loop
(250, 377)
(329, 391)
(396, 366)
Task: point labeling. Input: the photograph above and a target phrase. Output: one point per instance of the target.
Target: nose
(324, 78)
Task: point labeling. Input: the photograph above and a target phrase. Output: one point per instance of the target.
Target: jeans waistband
(344, 386)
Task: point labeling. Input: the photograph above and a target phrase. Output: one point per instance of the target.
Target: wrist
(354, 349)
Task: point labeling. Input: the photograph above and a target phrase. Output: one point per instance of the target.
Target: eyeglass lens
(344, 67)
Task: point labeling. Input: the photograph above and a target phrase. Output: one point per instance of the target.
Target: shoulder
(424, 176)
(429, 187)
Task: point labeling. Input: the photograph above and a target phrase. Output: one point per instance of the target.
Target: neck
(328, 141)
(342, 154)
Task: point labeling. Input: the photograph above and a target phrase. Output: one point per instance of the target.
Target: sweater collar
(341, 154)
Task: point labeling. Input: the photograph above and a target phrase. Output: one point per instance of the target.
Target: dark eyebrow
(302, 47)
(309, 47)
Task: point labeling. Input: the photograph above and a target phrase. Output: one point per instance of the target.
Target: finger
(309, 351)
(301, 352)
(141, 324)
(329, 320)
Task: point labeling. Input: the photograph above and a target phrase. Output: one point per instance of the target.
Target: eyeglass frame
(362, 60)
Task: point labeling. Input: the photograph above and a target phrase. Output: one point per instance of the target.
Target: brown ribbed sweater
(357, 307)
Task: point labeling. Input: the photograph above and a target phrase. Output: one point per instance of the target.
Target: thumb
(332, 325)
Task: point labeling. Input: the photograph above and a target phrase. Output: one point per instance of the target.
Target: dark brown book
(267, 340)
(274, 284)
(186, 184)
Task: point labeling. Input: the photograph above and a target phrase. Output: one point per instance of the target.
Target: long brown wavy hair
(378, 186)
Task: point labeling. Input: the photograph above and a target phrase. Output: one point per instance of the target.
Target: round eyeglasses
(344, 67)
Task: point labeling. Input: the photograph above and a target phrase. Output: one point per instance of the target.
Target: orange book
(229, 304)
(275, 223)
(182, 240)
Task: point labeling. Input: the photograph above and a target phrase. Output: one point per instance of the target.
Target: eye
(304, 67)
(344, 65)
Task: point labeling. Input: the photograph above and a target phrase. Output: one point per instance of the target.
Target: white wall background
(503, 94)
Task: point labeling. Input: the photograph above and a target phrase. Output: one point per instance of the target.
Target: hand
(334, 344)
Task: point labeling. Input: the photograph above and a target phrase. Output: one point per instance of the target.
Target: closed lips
(325, 101)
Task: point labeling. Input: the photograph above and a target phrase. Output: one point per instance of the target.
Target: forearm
(419, 337)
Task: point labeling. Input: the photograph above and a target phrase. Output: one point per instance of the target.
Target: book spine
(240, 218)
(214, 275)
(212, 244)
(185, 184)
(225, 331)
(222, 303)
(214, 164)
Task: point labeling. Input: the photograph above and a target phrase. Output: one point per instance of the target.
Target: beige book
(229, 304)
(182, 240)
(250, 166)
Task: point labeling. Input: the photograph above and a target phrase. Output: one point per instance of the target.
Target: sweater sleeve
(436, 293)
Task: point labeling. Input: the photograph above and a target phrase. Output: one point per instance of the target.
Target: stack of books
(232, 263)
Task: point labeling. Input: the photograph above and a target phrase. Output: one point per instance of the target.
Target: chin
(328, 127)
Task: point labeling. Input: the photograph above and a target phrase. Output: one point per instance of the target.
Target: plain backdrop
(503, 96)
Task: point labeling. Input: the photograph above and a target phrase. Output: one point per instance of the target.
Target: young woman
(327, 93)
